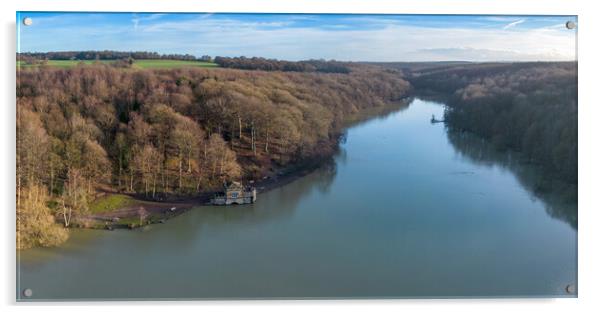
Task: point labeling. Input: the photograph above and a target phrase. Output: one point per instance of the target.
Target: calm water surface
(407, 209)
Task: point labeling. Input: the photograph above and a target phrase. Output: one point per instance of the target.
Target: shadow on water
(559, 198)
(184, 231)
(277, 204)
(378, 113)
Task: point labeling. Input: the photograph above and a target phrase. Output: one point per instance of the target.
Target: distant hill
(418, 66)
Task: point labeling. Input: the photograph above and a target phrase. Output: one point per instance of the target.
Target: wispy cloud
(136, 19)
(473, 54)
(512, 24)
(296, 37)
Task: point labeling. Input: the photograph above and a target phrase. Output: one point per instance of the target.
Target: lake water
(407, 209)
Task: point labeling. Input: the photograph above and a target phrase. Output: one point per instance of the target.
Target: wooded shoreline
(160, 212)
(157, 212)
(174, 133)
(159, 139)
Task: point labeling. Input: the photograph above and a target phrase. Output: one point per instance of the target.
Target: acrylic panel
(174, 156)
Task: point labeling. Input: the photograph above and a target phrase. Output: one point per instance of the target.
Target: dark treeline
(264, 64)
(105, 55)
(174, 132)
(526, 107)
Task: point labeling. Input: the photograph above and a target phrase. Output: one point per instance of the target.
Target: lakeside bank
(139, 212)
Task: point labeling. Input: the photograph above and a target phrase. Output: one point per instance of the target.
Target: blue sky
(306, 36)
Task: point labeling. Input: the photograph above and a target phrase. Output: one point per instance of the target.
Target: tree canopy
(526, 107)
(165, 133)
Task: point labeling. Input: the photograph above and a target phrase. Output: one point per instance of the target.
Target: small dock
(435, 120)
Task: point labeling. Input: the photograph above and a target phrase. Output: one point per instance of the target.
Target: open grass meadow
(140, 64)
(110, 202)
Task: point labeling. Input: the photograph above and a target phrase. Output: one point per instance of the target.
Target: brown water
(407, 209)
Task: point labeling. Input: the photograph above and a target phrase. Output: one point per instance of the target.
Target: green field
(140, 64)
(110, 202)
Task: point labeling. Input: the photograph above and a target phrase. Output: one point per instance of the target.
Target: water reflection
(560, 198)
(185, 231)
(396, 213)
(277, 204)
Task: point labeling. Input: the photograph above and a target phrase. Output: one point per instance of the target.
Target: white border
(312, 6)
(589, 149)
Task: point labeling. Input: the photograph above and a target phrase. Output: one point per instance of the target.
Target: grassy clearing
(110, 202)
(139, 64)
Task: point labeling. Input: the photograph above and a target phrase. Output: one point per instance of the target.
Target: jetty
(434, 120)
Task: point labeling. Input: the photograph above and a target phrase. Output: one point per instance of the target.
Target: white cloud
(472, 54)
(282, 40)
(393, 43)
(512, 24)
(136, 19)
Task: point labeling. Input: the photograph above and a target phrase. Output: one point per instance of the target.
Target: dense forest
(263, 64)
(165, 133)
(173, 133)
(525, 107)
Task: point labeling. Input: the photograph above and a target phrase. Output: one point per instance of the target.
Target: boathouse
(235, 193)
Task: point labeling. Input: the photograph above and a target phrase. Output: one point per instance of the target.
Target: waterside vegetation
(167, 134)
(112, 140)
